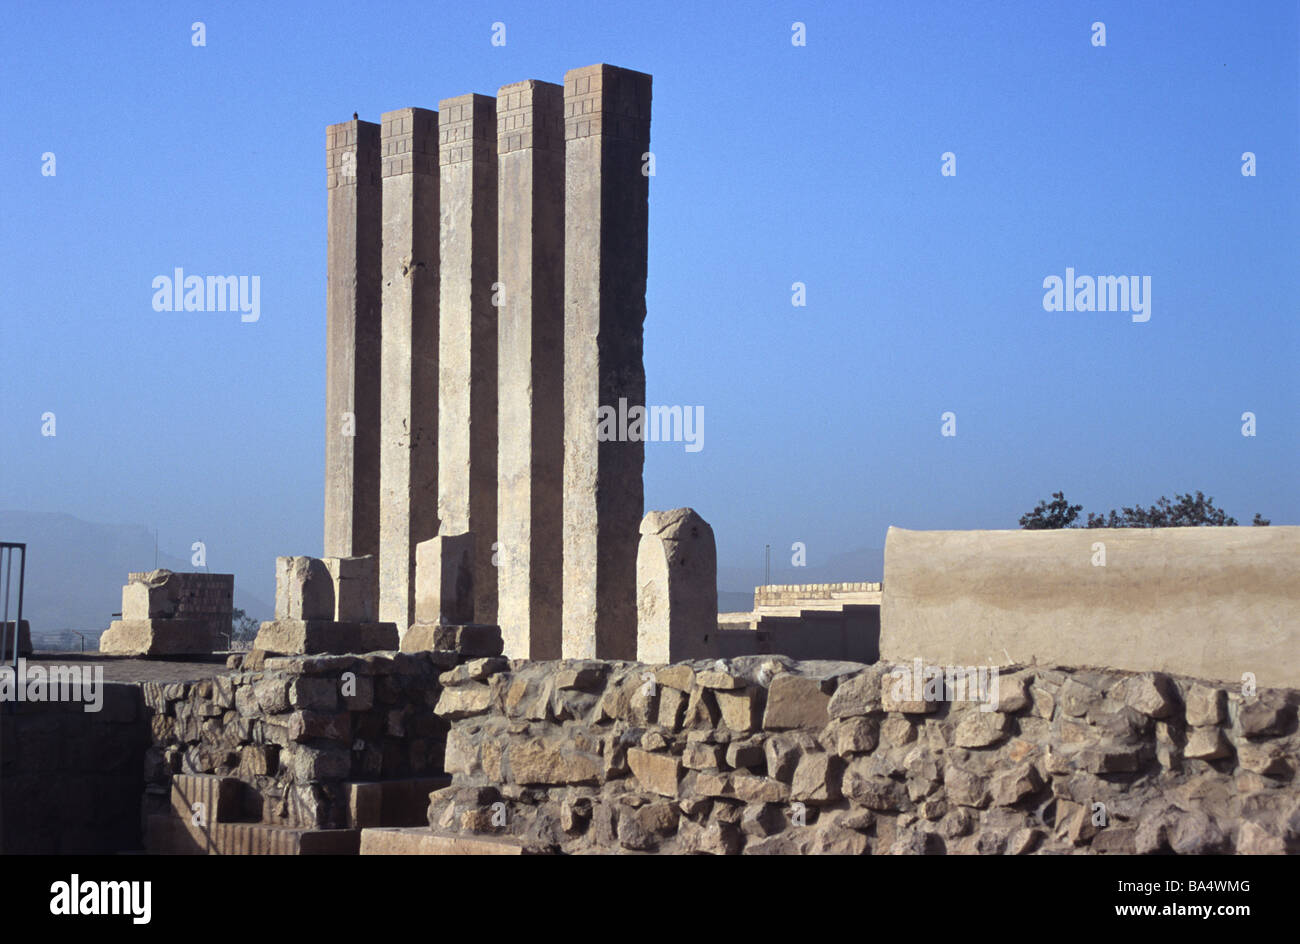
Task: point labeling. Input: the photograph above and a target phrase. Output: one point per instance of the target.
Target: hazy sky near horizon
(775, 164)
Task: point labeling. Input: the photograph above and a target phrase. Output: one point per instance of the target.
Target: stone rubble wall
(768, 755)
(297, 730)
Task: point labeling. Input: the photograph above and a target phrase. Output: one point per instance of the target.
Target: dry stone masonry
(319, 742)
(767, 755)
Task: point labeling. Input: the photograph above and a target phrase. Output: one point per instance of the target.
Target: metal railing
(7, 551)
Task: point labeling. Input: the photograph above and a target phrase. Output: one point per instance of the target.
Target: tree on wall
(1058, 513)
(1185, 511)
(243, 628)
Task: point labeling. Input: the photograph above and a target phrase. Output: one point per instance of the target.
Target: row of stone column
(486, 295)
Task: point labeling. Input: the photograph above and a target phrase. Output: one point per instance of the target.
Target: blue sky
(774, 164)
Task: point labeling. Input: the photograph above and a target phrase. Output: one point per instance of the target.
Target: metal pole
(22, 575)
(4, 629)
(767, 565)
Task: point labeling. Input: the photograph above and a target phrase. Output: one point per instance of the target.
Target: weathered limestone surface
(1210, 602)
(530, 362)
(444, 579)
(408, 453)
(676, 586)
(168, 595)
(290, 636)
(157, 637)
(476, 640)
(168, 613)
(768, 755)
(352, 341)
(355, 583)
(397, 840)
(607, 133)
(304, 589)
(143, 600)
(467, 361)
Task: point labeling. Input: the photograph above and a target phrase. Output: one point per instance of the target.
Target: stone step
(421, 840)
(392, 802)
(168, 834)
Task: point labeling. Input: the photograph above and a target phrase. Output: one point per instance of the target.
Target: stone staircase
(207, 817)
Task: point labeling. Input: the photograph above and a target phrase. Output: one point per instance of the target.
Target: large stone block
(169, 637)
(143, 600)
(444, 579)
(658, 773)
(676, 586)
(471, 640)
(797, 701)
(164, 594)
(424, 841)
(315, 637)
(304, 589)
(356, 588)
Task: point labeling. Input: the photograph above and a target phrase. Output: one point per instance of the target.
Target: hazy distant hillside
(75, 569)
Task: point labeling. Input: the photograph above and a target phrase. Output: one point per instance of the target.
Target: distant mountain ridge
(76, 569)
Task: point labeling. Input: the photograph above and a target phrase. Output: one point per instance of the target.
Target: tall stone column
(408, 455)
(530, 455)
(607, 133)
(467, 368)
(352, 340)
